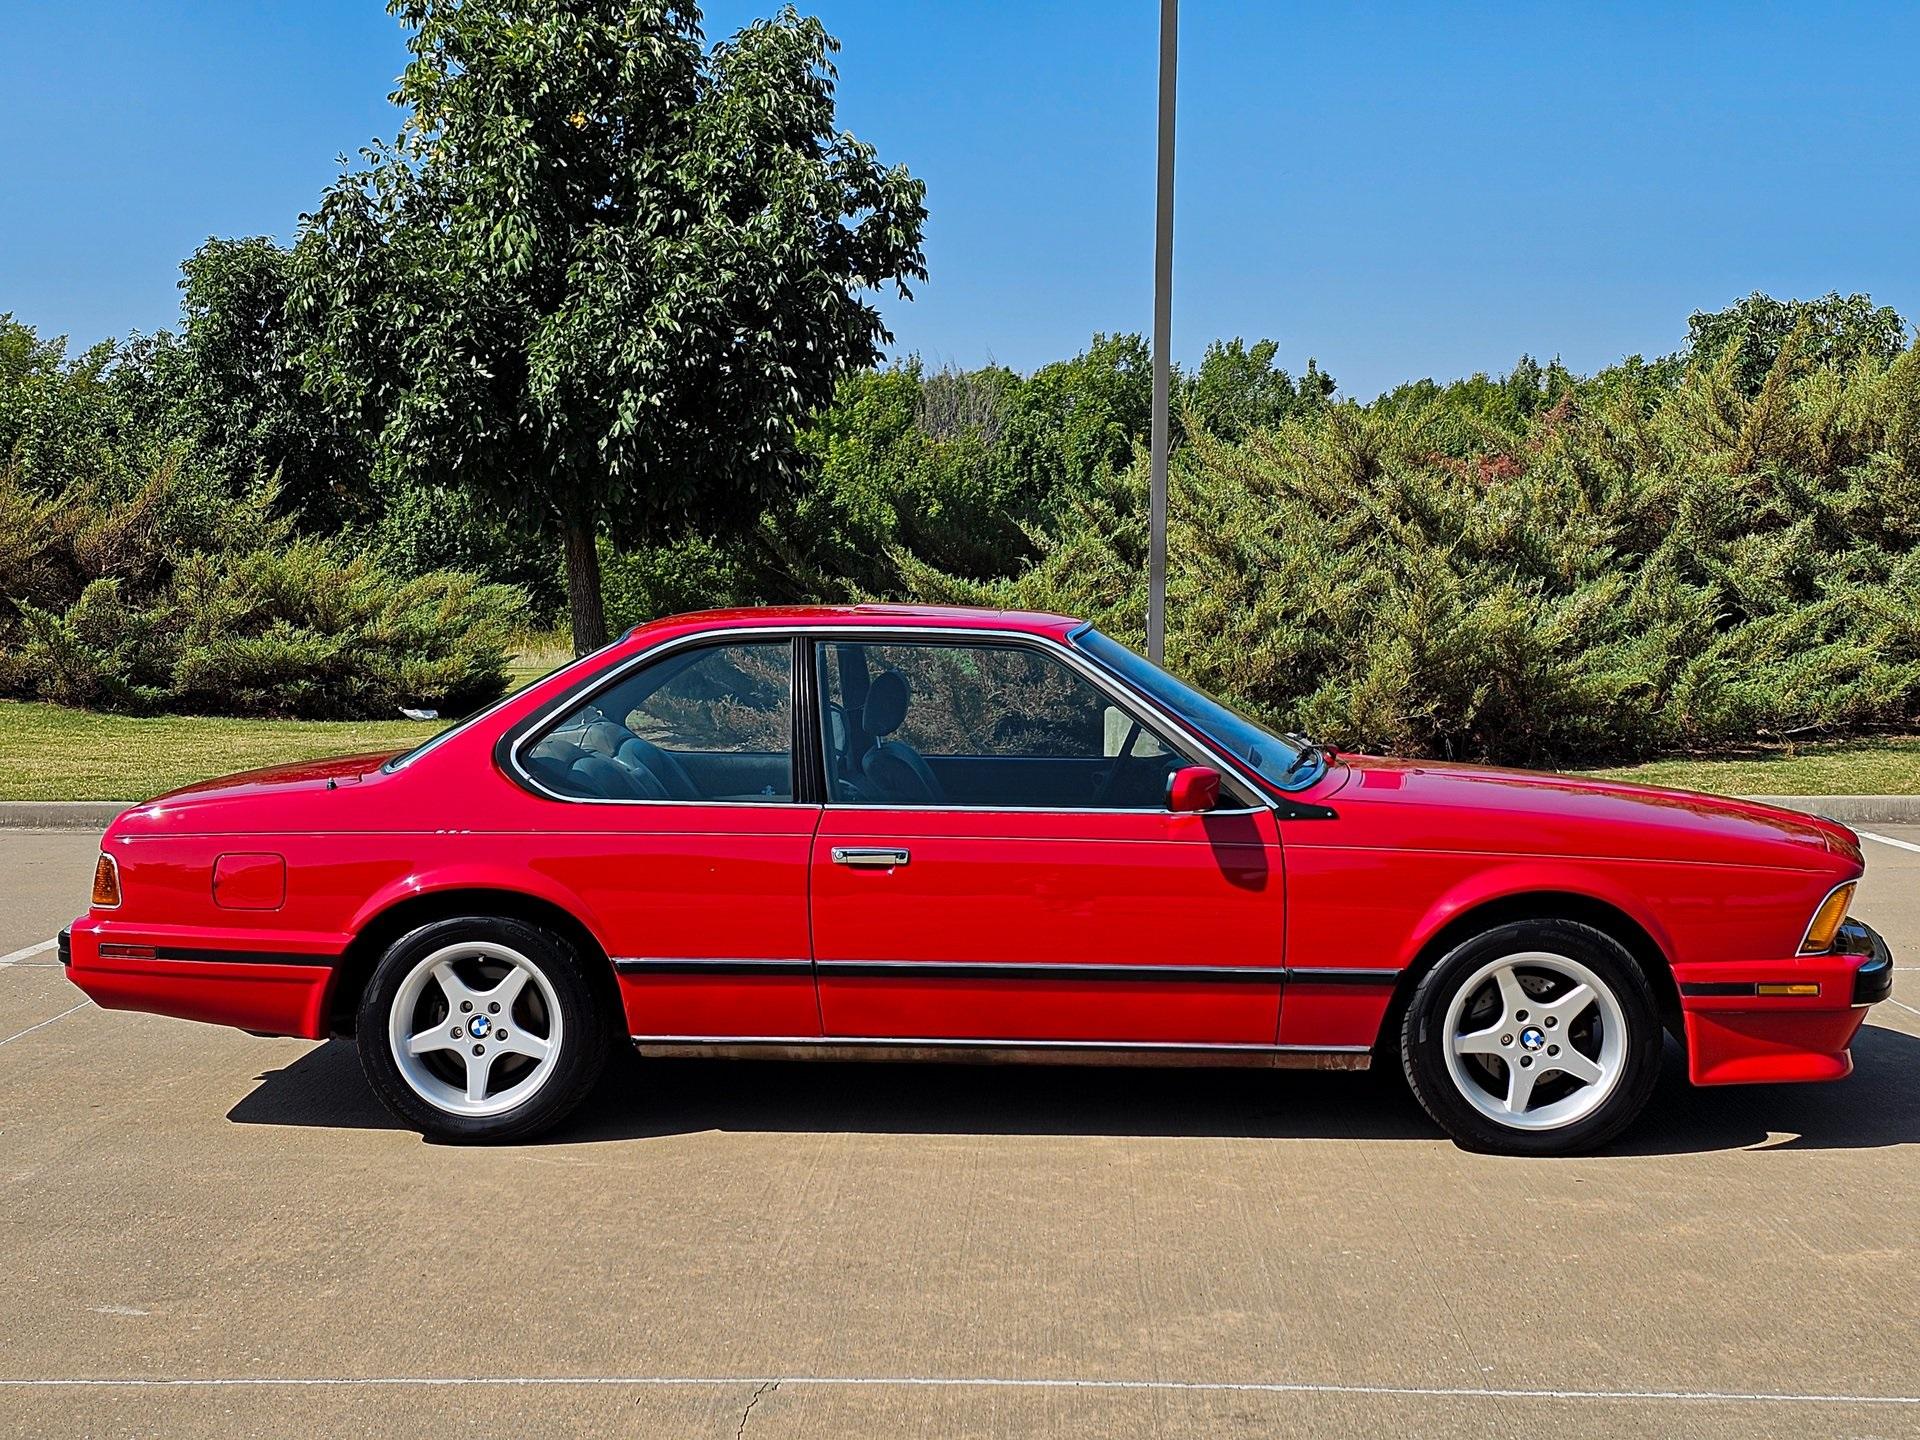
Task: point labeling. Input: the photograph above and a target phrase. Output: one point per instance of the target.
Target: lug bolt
(1553, 1049)
(465, 1005)
(1525, 1060)
(493, 1007)
(479, 1049)
(1506, 1039)
(1551, 1022)
(499, 1034)
(455, 1032)
(1519, 1014)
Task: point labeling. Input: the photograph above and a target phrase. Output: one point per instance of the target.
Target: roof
(1029, 622)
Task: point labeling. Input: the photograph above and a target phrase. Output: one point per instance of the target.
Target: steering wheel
(1107, 781)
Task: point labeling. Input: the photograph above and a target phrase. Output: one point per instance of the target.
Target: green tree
(1840, 331)
(604, 272)
(236, 379)
(1238, 389)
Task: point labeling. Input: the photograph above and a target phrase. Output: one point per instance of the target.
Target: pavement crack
(765, 1386)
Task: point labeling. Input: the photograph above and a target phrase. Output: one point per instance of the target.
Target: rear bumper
(271, 992)
(1745, 1026)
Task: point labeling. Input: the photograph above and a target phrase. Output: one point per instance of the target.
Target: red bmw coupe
(896, 832)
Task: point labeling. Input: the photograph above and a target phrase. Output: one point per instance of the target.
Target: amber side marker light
(106, 883)
(1826, 920)
(1802, 988)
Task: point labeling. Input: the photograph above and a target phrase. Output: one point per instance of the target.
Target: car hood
(1611, 814)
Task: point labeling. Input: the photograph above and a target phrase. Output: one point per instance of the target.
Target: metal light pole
(1162, 328)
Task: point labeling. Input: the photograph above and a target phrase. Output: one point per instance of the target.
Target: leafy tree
(1840, 331)
(61, 418)
(1238, 389)
(235, 382)
(603, 273)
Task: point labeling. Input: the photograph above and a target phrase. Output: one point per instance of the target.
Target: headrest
(886, 704)
(603, 737)
(564, 752)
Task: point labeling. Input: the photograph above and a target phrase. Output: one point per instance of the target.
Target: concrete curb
(84, 816)
(1852, 809)
(76, 815)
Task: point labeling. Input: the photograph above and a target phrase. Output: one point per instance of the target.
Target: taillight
(106, 883)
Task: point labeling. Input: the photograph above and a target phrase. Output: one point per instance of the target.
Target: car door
(996, 861)
(681, 832)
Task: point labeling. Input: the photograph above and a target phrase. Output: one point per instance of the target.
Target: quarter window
(712, 724)
(1001, 726)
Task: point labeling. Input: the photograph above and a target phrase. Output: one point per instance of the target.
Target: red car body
(1283, 933)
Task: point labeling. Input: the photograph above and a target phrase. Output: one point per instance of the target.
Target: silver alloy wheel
(1535, 1041)
(475, 1028)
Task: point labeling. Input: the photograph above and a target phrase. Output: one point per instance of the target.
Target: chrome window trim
(1252, 797)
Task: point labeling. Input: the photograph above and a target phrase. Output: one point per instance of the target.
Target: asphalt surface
(204, 1233)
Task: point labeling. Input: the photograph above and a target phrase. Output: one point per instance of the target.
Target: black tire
(576, 1063)
(1425, 1046)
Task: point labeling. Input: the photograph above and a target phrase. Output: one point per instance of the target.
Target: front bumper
(1873, 981)
(1776, 1022)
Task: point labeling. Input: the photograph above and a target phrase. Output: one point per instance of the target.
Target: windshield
(1255, 745)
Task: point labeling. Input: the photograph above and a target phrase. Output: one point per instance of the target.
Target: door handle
(879, 858)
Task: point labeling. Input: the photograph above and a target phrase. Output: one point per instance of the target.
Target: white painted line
(1258, 1387)
(44, 1023)
(1888, 840)
(27, 954)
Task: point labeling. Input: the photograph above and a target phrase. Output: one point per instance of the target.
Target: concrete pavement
(204, 1233)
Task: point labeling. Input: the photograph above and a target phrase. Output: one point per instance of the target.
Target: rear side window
(713, 724)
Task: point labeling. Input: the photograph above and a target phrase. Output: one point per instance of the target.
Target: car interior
(986, 726)
(712, 714)
(1050, 742)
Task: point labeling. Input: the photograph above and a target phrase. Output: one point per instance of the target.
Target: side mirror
(1192, 788)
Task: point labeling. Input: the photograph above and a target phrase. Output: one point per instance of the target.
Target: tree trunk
(589, 616)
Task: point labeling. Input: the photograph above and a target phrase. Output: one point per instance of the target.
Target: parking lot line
(1888, 840)
(27, 953)
(985, 1382)
(44, 1023)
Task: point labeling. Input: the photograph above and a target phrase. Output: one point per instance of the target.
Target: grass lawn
(1881, 765)
(48, 752)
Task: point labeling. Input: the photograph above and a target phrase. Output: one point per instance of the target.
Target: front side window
(1000, 726)
(712, 724)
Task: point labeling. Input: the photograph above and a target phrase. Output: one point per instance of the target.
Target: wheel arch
(387, 924)
(1540, 904)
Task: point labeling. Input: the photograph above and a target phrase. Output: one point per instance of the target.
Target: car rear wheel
(481, 1028)
(1534, 1038)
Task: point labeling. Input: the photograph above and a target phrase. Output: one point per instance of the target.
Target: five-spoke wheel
(481, 1028)
(1535, 1037)
(475, 1028)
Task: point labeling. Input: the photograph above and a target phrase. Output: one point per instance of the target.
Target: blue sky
(1399, 190)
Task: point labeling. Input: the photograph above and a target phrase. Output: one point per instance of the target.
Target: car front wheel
(1534, 1038)
(481, 1028)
